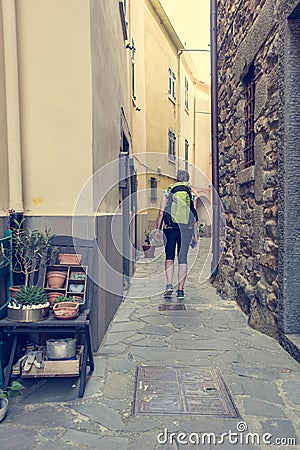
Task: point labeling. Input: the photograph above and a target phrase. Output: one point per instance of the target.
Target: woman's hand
(158, 235)
(194, 241)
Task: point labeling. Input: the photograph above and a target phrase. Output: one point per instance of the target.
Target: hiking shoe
(169, 291)
(180, 294)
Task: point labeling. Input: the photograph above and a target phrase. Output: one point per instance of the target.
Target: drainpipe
(12, 109)
(214, 138)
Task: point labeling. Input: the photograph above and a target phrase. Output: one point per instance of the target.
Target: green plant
(147, 235)
(63, 298)
(201, 228)
(12, 391)
(30, 296)
(31, 250)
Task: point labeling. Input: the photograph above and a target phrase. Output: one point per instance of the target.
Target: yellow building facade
(64, 122)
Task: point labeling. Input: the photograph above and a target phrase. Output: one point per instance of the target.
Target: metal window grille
(171, 145)
(186, 93)
(153, 189)
(249, 118)
(186, 153)
(171, 88)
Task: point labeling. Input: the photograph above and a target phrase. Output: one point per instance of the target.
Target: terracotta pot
(51, 296)
(72, 259)
(149, 251)
(14, 290)
(56, 279)
(66, 310)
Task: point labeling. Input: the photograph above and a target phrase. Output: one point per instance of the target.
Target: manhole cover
(171, 307)
(182, 390)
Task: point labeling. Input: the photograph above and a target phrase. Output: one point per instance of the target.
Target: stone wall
(249, 33)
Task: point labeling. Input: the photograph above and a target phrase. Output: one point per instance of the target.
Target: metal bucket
(61, 348)
(3, 408)
(27, 315)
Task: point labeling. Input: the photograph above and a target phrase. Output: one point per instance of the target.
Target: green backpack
(180, 208)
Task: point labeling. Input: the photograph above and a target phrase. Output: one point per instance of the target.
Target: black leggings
(180, 236)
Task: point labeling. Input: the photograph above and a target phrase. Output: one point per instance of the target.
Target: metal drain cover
(182, 390)
(171, 307)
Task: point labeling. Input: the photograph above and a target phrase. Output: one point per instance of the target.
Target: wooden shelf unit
(73, 274)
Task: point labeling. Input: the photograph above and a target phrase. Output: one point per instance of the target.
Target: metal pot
(3, 408)
(61, 348)
(27, 315)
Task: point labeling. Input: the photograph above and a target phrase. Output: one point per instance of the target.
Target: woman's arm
(160, 217)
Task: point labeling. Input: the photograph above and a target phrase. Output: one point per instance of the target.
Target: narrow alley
(263, 380)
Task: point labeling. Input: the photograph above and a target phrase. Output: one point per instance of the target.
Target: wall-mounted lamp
(138, 109)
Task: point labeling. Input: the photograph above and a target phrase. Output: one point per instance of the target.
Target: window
(186, 93)
(186, 153)
(133, 50)
(153, 189)
(171, 147)
(172, 80)
(249, 117)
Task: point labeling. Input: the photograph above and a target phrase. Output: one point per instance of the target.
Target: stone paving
(264, 381)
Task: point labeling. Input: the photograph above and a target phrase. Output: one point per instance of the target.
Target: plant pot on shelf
(52, 296)
(14, 290)
(66, 310)
(30, 305)
(71, 259)
(149, 250)
(56, 279)
(28, 314)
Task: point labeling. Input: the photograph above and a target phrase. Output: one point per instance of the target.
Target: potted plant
(29, 305)
(52, 296)
(201, 229)
(11, 391)
(149, 249)
(31, 250)
(66, 307)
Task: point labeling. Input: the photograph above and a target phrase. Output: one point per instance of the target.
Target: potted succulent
(64, 299)
(149, 249)
(31, 250)
(29, 305)
(11, 391)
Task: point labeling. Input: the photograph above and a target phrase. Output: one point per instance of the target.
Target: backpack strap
(181, 187)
